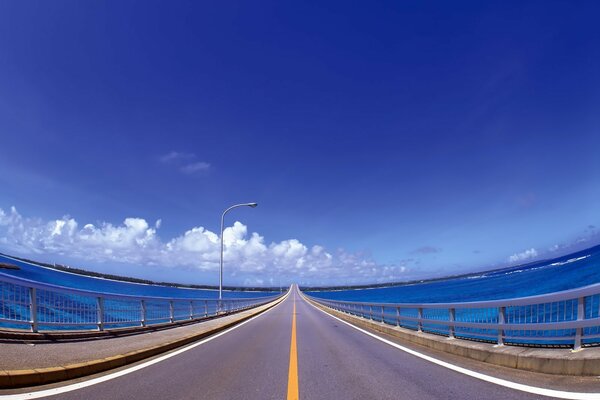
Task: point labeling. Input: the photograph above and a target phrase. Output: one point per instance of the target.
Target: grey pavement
(19, 356)
(335, 361)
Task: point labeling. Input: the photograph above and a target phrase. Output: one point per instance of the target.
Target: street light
(222, 222)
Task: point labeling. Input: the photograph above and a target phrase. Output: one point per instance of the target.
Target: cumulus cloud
(250, 259)
(187, 163)
(523, 256)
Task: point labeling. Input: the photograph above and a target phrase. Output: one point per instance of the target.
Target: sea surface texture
(55, 277)
(562, 273)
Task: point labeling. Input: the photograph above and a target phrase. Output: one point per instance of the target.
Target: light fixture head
(252, 205)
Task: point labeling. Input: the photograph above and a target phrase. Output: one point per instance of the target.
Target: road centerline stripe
(292, 392)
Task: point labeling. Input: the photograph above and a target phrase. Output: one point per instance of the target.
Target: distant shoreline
(444, 278)
(329, 288)
(418, 281)
(8, 266)
(118, 278)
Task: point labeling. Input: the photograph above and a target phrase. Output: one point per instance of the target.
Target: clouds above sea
(249, 257)
(525, 255)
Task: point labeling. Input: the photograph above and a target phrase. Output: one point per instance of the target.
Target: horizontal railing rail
(569, 318)
(41, 306)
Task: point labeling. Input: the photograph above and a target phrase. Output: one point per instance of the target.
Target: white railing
(41, 306)
(568, 318)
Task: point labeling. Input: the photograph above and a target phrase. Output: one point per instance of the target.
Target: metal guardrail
(43, 306)
(568, 318)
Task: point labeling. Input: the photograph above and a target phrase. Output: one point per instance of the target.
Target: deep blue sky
(441, 136)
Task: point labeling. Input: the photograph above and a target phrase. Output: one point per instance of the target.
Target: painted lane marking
(292, 393)
(501, 382)
(75, 386)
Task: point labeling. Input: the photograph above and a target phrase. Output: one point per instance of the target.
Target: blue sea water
(566, 272)
(562, 273)
(55, 277)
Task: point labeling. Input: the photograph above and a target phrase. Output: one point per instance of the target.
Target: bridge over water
(294, 350)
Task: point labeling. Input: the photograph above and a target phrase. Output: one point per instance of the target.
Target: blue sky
(386, 141)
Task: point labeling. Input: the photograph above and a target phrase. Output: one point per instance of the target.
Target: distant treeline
(84, 272)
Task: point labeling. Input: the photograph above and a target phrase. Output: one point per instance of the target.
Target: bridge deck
(35, 355)
(334, 361)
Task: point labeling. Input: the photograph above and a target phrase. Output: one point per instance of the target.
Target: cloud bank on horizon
(525, 255)
(249, 258)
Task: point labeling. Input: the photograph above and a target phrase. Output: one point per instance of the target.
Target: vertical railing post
(143, 312)
(501, 322)
(205, 308)
(171, 312)
(397, 316)
(420, 319)
(371, 312)
(580, 317)
(100, 312)
(33, 309)
(382, 315)
(451, 319)
(191, 309)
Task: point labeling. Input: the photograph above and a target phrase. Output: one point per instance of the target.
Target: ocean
(562, 273)
(566, 272)
(71, 280)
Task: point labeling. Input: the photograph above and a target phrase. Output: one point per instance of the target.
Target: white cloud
(187, 163)
(192, 168)
(523, 256)
(249, 258)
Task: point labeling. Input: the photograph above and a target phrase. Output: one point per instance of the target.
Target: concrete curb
(10, 379)
(548, 361)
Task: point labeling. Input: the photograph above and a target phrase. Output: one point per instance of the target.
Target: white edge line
(91, 382)
(502, 382)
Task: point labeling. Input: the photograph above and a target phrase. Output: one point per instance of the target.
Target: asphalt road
(334, 361)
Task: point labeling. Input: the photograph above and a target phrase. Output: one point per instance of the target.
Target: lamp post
(222, 222)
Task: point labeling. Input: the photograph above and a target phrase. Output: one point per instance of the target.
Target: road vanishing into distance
(293, 350)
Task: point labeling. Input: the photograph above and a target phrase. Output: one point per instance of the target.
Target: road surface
(294, 350)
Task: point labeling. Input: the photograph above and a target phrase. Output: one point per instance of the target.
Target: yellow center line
(292, 393)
